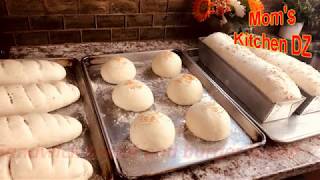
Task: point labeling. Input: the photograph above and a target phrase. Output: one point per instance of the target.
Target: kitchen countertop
(272, 161)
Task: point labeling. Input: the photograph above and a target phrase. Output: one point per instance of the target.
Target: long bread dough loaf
(269, 79)
(40, 163)
(42, 97)
(304, 75)
(36, 130)
(30, 71)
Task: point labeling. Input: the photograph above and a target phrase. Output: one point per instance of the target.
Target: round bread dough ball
(185, 90)
(208, 121)
(167, 64)
(117, 70)
(152, 131)
(133, 96)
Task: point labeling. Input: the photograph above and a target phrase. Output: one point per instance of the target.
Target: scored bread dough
(185, 89)
(167, 64)
(30, 71)
(36, 130)
(152, 131)
(117, 70)
(34, 98)
(133, 95)
(208, 121)
(44, 164)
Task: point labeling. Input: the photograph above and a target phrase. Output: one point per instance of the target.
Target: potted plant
(303, 12)
(217, 13)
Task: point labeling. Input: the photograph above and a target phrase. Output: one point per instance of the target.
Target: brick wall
(33, 22)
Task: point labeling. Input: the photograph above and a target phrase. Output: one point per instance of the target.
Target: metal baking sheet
(287, 130)
(82, 146)
(131, 162)
(256, 102)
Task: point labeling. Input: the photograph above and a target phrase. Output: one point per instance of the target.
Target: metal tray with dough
(131, 162)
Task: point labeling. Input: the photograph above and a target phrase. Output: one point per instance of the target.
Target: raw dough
(304, 75)
(40, 163)
(185, 90)
(208, 121)
(152, 131)
(117, 70)
(30, 71)
(33, 98)
(36, 130)
(133, 95)
(167, 64)
(269, 79)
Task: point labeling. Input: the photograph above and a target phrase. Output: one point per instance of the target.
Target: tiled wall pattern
(33, 22)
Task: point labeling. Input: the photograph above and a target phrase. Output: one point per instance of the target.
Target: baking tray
(129, 161)
(310, 105)
(286, 130)
(83, 111)
(257, 103)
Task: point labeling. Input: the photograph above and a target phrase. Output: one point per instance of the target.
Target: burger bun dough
(133, 95)
(167, 64)
(185, 89)
(152, 131)
(118, 69)
(208, 121)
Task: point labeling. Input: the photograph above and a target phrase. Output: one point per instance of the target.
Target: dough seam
(40, 65)
(29, 99)
(29, 159)
(58, 120)
(58, 90)
(8, 94)
(28, 127)
(41, 90)
(9, 166)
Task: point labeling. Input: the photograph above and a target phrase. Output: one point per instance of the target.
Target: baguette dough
(167, 64)
(185, 89)
(304, 75)
(40, 163)
(269, 79)
(117, 70)
(30, 71)
(36, 130)
(133, 95)
(152, 131)
(208, 121)
(43, 97)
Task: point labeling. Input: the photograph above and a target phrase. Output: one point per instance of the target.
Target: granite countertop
(272, 161)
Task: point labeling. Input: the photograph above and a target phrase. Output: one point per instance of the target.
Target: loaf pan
(310, 105)
(256, 102)
(131, 162)
(287, 130)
